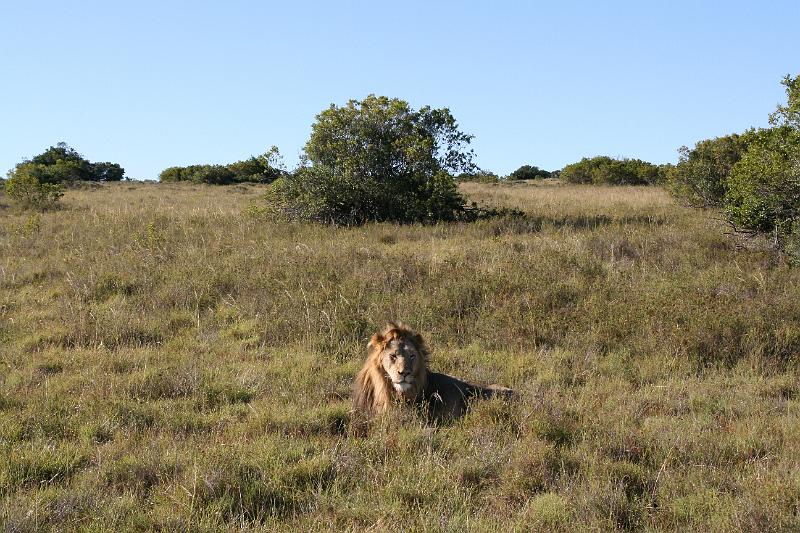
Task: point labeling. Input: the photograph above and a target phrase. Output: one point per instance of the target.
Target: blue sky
(155, 84)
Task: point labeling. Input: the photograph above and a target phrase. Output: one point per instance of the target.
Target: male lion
(396, 370)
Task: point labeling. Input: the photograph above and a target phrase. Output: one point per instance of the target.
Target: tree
(528, 172)
(378, 159)
(788, 115)
(63, 164)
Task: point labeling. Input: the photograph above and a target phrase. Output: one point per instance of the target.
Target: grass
(169, 362)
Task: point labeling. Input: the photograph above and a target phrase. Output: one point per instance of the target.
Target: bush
(319, 194)
(528, 172)
(604, 170)
(380, 160)
(63, 164)
(25, 190)
(764, 186)
(261, 169)
(755, 176)
(701, 175)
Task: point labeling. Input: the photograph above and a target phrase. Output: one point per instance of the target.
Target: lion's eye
(392, 357)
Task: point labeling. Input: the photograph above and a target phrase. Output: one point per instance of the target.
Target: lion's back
(446, 396)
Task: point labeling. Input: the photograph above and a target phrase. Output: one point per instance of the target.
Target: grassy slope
(170, 362)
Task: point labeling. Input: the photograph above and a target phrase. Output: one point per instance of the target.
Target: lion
(396, 371)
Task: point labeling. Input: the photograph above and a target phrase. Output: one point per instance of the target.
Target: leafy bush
(764, 186)
(27, 192)
(528, 172)
(604, 170)
(261, 169)
(702, 173)
(63, 164)
(378, 159)
(755, 176)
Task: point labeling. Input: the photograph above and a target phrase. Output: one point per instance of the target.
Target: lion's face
(395, 369)
(401, 361)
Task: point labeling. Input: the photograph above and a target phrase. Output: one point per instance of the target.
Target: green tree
(528, 172)
(63, 164)
(379, 159)
(788, 115)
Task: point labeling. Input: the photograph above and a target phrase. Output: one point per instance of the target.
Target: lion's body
(396, 371)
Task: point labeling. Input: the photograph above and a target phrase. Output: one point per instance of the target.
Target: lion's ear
(376, 341)
(419, 342)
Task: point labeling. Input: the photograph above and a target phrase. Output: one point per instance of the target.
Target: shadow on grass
(521, 223)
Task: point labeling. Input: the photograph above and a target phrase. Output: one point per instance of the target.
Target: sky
(155, 84)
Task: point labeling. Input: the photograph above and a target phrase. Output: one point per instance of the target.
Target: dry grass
(171, 363)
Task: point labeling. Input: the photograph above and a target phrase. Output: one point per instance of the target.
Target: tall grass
(170, 362)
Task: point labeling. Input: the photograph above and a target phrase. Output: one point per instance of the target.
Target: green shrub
(378, 159)
(528, 172)
(701, 175)
(63, 164)
(261, 169)
(764, 186)
(604, 170)
(25, 190)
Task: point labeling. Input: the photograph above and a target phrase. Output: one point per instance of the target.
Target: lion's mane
(373, 390)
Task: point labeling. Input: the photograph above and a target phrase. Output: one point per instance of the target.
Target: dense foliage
(755, 176)
(604, 170)
(63, 164)
(701, 175)
(378, 159)
(528, 172)
(257, 169)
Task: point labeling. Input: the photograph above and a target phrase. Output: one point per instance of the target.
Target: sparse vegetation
(170, 362)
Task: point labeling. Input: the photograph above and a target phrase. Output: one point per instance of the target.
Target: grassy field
(170, 362)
